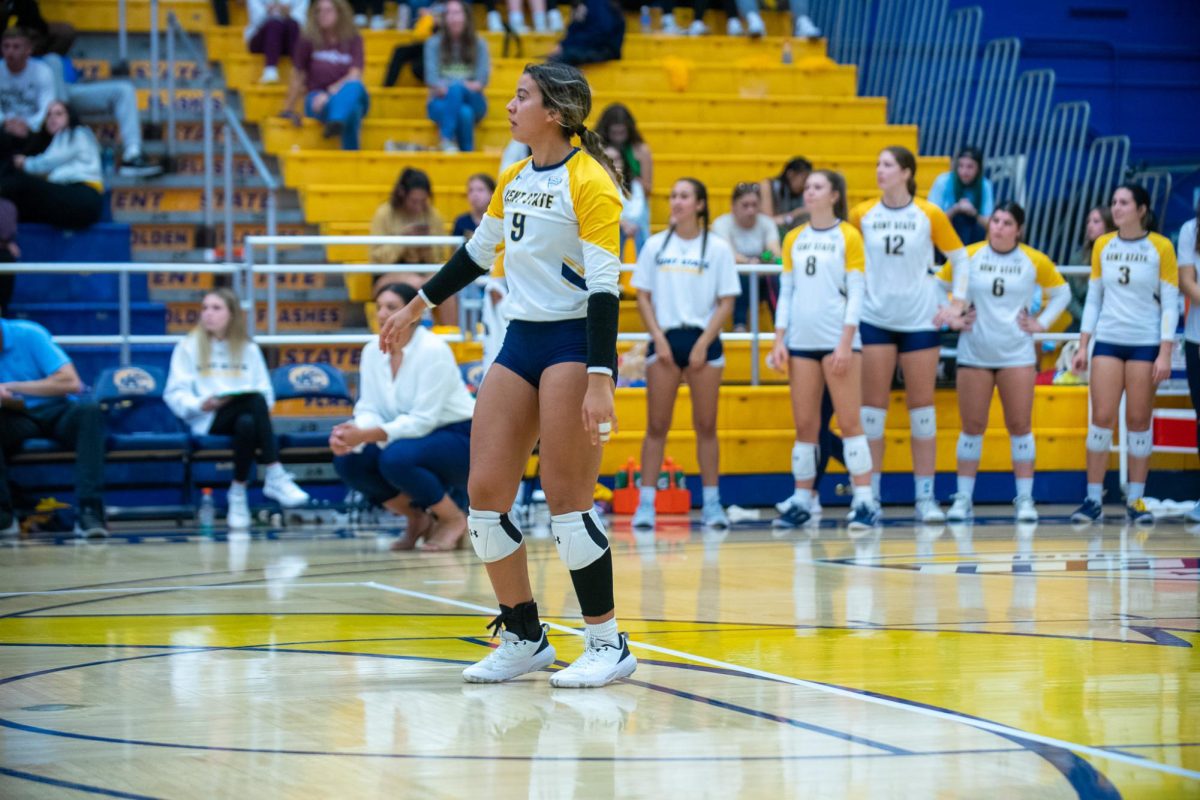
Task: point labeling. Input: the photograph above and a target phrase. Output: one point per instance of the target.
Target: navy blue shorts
(815, 355)
(1127, 352)
(682, 340)
(531, 347)
(905, 341)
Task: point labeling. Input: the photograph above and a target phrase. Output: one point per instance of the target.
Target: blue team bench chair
(321, 385)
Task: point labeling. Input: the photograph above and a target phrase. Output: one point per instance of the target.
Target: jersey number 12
(893, 245)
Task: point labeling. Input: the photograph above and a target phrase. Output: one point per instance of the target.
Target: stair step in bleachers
(92, 318)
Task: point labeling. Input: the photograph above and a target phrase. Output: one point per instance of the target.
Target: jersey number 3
(518, 227)
(1124, 279)
(893, 245)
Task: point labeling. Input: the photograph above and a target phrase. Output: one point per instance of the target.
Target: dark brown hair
(1141, 199)
(837, 182)
(464, 47)
(618, 114)
(702, 196)
(404, 291)
(410, 179)
(905, 160)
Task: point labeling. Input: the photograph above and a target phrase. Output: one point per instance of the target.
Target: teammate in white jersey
(997, 351)
(555, 216)
(817, 343)
(900, 316)
(1132, 311)
(686, 284)
(1189, 257)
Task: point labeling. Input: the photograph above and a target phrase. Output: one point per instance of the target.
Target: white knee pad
(1141, 443)
(857, 454)
(804, 461)
(873, 420)
(493, 535)
(969, 447)
(1024, 448)
(923, 422)
(580, 537)
(1099, 440)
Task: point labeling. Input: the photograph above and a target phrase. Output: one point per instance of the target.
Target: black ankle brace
(521, 620)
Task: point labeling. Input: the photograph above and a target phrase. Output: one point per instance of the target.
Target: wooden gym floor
(982, 661)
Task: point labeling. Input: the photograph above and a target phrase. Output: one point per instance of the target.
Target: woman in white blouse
(409, 443)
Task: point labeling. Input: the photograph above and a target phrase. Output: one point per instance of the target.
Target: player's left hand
(699, 355)
(1162, 368)
(839, 359)
(1029, 323)
(599, 413)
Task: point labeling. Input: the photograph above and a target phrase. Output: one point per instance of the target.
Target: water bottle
(207, 513)
(787, 53)
(645, 19)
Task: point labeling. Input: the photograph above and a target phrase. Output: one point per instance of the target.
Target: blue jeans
(425, 469)
(347, 107)
(457, 113)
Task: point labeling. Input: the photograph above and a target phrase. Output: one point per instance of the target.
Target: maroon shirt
(326, 64)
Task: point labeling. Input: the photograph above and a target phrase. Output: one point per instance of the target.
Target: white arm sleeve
(487, 237)
(783, 309)
(856, 287)
(961, 266)
(1091, 309)
(1168, 294)
(1057, 301)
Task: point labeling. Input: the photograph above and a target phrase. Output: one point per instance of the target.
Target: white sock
(864, 496)
(967, 486)
(646, 495)
(712, 496)
(516, 19)
(604, 632)
(877, 484)
(539, 21)
(802, 498)
(1025, 487)
(1136, 492)
(1095, 492)
(924, 486)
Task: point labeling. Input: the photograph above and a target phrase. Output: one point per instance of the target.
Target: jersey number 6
(998, 287)
(518, 227)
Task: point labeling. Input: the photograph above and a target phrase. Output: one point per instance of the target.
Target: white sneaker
(269, 75)
(928, 510)
(495, 22)
(734, 27)
(238, 514)
(644, 516)
(448, 146)
(670, 27)
(1026, 510)
(804, 28)
(516, 21)
(755, 25)
(1194, 514)
(962, 509)
(714, 516)
(514, 657)
(380, 23)
(282, 488)
(601, 664)
(698, 28)
(554, 20)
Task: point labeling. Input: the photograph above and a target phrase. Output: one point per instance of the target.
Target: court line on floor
(215, 587)
(79, 787)
(944, 715)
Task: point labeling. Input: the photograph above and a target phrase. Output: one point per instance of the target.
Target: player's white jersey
(686, 278)
(1189, 258)
(558, 229)
(822, 286)
(1001, 286)
(899, 242)
(1133, 293)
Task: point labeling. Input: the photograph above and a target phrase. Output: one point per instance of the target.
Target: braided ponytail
(593, 145)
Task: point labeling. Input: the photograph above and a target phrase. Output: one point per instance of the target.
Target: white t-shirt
(1188, 258)
(684, 285)
(751, 242)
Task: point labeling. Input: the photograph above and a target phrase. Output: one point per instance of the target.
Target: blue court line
(79, 787)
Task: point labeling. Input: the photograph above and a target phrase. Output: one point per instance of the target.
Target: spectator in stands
(743, 19)
(595, 35)
(48, 37)
(456, 72)
(802, 24)
(543, 20)
(755, 240)
(370, 13)
(36, 377)
(62, 185)
(965, 195)
(26, 91)
(111, 98)
(1188, 259)
(783, 195)
(410, 212)
(273, 30)
(219, 385)
(617, 127)
(1099, 222)
(408, 447)
(672, 28)
(327, 68)
(635, 212)
(480, 187)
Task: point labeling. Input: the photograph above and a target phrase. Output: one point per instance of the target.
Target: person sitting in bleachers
(327, 69)
(62, 185)
(543, 20)
(755, 240)
(26, 91)
(48, 37)
(783, 195)
(965, 195)
(409, 444)
(273, 30)
(480, 187)
(618, 128)
(410, 212)
(36, 379)
(219, 385)
(635, 211)
(456, 71)
(595, 35)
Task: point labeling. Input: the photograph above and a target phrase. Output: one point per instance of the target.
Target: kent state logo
(307, 378)
(134, 380)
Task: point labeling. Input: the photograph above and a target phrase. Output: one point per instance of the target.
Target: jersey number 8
(518, 227)
(810, 265)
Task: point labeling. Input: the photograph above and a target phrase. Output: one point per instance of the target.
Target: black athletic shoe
(140, 167)
(89, 524)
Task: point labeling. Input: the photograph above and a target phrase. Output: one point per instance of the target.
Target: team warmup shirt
(901, 292)
(1133, 294)
(557, 228)
(1001, 286)
(821, 289)
(685, 286)
(1188, 258)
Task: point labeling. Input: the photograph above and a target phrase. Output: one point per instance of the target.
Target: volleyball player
(997, 352)
(555, 215)
(1189, 255)
(900, 316)
(1131, 313)
(686, 282)
(817, 344)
